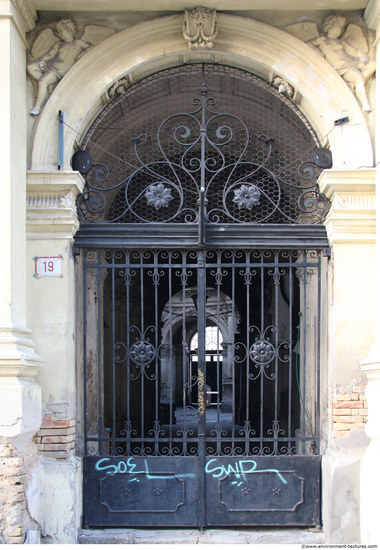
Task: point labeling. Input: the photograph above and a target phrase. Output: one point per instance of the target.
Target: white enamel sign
(48, 266)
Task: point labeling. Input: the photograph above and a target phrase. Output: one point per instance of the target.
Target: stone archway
(242, 43)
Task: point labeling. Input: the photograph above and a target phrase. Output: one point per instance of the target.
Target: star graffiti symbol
(245, 491)
(276, 491)
(126, 492)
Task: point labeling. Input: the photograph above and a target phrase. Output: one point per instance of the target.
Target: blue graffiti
(240, 468)
(129, 467)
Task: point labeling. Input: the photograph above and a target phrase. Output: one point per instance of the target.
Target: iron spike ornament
(214, 177)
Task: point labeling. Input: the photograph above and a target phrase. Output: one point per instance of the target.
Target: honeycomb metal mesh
(259, 142)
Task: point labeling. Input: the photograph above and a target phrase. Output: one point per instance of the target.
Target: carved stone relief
(345, 48)
(283, 86)
(119, 87)
(200, 28)
(55, 51)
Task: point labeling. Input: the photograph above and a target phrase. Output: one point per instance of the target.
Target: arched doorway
(201, 212)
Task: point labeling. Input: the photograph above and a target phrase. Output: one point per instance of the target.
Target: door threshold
(232, 535)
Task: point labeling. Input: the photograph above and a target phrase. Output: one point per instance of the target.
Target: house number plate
(48, 266)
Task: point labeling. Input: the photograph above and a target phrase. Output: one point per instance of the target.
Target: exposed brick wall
(56, 437)
(12, 497)
(350, 412)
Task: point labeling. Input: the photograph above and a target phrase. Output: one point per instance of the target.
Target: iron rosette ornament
(210, 160)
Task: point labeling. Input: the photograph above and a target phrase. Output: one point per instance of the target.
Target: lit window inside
(214, 340)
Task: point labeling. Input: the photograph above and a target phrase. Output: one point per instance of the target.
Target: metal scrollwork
(262, 352)
(142, 352)
(211, 178)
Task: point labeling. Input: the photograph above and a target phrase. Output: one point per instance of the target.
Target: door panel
(263, 491)
(140, 491)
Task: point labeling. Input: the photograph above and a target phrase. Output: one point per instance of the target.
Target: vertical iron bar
(277, 275)
(84, 352)
(203, 167)
(232, 355)
(290, 333)
(172, 365)
(156, 334)
(184, 361)
(201, 302)
(304, 426)
(113, 356)
(142, 405)
(248, 295)
(99, 277)
(128, 284)
(219, 268)
(318, 365)
(262, 295)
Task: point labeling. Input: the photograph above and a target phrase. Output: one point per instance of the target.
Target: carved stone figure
(349, 55)
(346, 50)
(200, 28)
(55, 51)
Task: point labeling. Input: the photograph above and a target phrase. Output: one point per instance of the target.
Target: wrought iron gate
(208, 237)
(154, 457)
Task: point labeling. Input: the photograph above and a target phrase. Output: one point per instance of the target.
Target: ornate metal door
(178, 431)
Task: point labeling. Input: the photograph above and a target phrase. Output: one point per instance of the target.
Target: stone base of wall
(350, 412)
(56, 437)
(12, 497)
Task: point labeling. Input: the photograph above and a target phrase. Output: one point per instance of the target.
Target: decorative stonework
(354, 201)
(50, 204)
(55, 51)
(283, 87)
(119, 87)
(345, 48)
(352, 216)
(350, 412)
(200, 28)
(27, 12)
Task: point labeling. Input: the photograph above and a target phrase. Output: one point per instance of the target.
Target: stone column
(351, 321)
(370, 470)
(51, 223)
(20, 408)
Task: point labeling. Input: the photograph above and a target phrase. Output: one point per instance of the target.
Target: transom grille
(201, 144)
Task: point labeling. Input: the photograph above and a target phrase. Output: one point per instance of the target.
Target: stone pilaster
(19, 394)
(51, 223)
(370, 471)
(351, 228)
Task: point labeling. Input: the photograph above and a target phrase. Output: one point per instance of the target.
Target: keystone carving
(200, 28)
(55, 51)
(346, 49)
